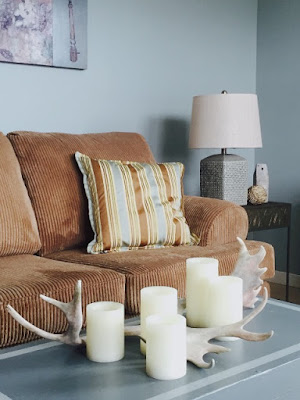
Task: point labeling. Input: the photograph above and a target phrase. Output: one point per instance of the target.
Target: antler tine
(243, 248)
(73, 313)
(261, 253)
(197, 359)
(134, 330)
(181, 306)
(198, 346)
(257, 310)
(65, 307)
(237, 329)
(251, 335)
(31, 327)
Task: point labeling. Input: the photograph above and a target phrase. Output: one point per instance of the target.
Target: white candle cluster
(211, 300)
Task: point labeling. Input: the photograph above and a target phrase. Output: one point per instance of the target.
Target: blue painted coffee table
(267, 370)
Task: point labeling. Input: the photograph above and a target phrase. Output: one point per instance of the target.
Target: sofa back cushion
(54, 181)
(18, 227)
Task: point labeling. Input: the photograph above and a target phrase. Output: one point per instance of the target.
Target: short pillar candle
(166, 346)
(156, 300)
(225, 302)
(200, 271)
(105, 331)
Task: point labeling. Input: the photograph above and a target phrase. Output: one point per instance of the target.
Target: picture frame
(44, 32)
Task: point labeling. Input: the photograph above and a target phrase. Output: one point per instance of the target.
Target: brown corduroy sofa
(44, 231)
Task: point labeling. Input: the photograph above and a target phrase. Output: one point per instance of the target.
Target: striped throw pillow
(134, 205)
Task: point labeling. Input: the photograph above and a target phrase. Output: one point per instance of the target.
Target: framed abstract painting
(44, 32)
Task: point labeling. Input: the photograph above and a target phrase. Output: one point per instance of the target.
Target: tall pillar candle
(166, 346)
(156, 300)
(200, 271)
(105, 331)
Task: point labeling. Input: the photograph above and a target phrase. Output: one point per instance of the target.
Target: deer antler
(73, 312)
(247, 268)
(198, 338)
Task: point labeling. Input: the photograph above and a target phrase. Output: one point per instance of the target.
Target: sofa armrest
(215, 221)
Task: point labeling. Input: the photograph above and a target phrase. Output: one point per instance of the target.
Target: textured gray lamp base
(225, 177)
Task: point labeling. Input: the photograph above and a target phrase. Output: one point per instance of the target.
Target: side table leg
(287, 288)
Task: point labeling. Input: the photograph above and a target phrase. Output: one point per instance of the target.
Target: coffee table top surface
(44, 370)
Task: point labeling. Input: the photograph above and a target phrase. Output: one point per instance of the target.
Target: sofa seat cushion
(164, 267)
(54, 182)
(18, 227)
(24, 278)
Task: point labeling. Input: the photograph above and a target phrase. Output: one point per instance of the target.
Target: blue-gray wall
(146, 60)
(278, 88)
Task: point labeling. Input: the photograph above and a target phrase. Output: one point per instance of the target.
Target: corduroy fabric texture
(215, 221)
(25, 277)
(133, 205)
(165, 267)
(18, 227)
(54, 182)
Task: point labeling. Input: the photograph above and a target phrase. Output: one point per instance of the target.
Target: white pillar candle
(166, 346)
(225, 302)
(156, 300)
(200, 271)
(105, 331)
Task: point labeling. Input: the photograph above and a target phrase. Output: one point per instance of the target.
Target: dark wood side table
(272, 215)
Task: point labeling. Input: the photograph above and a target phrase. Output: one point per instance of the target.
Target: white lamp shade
(225, 121)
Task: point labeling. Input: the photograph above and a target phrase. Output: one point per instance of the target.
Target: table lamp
(225, 121)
